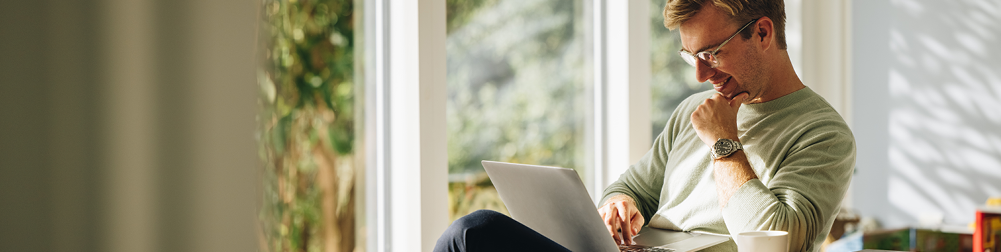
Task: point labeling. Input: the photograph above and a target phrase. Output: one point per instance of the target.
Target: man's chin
(731, 96)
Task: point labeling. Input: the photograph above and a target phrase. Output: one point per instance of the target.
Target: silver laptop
(554, 202)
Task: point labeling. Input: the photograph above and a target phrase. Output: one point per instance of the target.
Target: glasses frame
(704, 56)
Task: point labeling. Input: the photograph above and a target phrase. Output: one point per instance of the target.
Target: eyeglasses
(707, 57)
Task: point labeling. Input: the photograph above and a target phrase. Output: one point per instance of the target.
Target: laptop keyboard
(634, 248)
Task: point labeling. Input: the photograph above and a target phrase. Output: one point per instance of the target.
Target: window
(672, 80)
(516, 92)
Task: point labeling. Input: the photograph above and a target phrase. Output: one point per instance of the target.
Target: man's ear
(765, 29)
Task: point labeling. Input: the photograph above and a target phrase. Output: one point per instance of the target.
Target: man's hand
(620, 214)
(717, 118)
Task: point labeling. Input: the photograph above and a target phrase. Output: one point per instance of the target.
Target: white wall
(927, 108)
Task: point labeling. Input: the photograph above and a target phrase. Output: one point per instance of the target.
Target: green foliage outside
(515, 91)
(672, 79)
(307, 126)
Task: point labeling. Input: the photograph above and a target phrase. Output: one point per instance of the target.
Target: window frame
(625, 106)
(405, 91)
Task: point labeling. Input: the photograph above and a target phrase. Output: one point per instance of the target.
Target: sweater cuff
(746, 206)
(609, 196)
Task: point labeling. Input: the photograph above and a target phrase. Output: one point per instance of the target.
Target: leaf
(342, 139)
(280, 133)
(328, 99)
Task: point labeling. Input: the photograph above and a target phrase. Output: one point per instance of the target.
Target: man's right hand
(620, 214)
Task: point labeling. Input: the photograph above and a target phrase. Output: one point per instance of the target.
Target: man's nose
(703, 72)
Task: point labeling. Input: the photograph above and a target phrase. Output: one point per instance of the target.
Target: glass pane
(307, 127)
(516, 92)
(672, 79)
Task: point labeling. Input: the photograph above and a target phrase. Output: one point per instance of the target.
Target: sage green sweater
(800, 148)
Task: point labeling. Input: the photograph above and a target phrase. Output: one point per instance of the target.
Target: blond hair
(741, 11)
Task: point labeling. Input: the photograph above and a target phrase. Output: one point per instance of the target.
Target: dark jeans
(486, 230)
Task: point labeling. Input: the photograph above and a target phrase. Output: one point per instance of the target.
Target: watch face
(724, 147)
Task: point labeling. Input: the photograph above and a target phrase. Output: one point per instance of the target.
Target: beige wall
(127, 126)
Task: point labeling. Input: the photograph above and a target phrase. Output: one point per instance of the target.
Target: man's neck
(783, 78)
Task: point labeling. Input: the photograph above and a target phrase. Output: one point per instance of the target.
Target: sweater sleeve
(643, 180)
(804, 194)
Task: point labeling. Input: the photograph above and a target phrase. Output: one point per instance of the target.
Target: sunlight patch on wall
(944, 120)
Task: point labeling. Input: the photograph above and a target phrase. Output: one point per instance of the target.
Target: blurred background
(226, 125)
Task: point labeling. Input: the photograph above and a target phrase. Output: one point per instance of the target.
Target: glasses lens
(708, 59)
(688, 57)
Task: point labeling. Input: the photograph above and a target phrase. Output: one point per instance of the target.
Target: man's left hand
(717, 118)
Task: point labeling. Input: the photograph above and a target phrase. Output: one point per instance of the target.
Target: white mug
(762, 241)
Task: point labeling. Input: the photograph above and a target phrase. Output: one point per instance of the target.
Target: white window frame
(621, 89)
(407, 169)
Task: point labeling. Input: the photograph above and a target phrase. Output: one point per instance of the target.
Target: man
(760, 152)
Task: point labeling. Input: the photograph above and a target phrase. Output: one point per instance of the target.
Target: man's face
(739, 67)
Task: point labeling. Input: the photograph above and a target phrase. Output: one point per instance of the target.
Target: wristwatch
(724, 148)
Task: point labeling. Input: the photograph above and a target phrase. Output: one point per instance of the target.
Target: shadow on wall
(943, 119)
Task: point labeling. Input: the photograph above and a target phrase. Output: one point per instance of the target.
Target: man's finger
(637, 223)
(612, 222)
(737, 100)
(626, 228)
(608, 218)
(615, 232)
